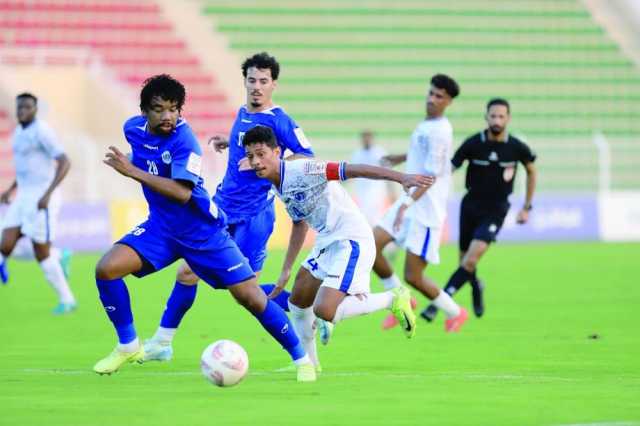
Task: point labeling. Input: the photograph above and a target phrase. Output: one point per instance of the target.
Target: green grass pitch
(529, 361)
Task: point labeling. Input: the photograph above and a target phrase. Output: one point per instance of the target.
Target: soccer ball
(224, 363)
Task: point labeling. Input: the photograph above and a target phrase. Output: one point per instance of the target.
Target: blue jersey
(176, 156)
(242, 193)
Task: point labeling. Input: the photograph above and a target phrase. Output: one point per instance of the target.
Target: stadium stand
(133, 39)
(349, 66)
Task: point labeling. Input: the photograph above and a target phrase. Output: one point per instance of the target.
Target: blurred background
(568, 67)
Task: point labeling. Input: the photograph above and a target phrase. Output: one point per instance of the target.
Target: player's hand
(219, 142)
(523, 217)
(420, 181)
(244, 165)
(399, 217)
(280, 285)
(43, 203)
(119, 162)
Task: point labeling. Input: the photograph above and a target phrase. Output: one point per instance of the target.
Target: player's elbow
(185, 196)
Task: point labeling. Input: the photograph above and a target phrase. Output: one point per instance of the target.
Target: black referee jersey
(492, 166)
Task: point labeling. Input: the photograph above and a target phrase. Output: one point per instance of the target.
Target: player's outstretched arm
(170, 188)
(375, 172)
(296, 240)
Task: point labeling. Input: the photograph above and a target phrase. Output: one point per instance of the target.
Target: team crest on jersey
(493, 156)
(315, 168)
(166, 157)
(508, 173)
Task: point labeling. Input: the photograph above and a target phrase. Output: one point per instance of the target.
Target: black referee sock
(457, 280)
(474, 279)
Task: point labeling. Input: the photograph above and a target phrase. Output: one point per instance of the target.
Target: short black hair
(164, 86)
(260, 134)
(27, 95)
(448, 84)
(498, 101)
(262, 60)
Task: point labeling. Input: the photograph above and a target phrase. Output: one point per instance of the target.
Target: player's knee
(469, 262)
(252, 299)
(324, 312)
(186, 276)
(105, 270)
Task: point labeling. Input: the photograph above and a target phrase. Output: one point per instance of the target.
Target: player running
(183, 223)
(333, 282)
(242, 196)
(41, 165)
(416, 220)
(493, 156)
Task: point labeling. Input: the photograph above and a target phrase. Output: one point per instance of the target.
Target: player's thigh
(424, 241)
(468, 223)
(348, 265)
(327, 302)
(152, 246)
(120, 261)
(219, 262)
(490, 224)
(390, 233)
(10, 237)
(252, 236)
(305, 288)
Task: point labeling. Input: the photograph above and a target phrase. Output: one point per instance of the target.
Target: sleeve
(186, 163)
(461, 154)
(49, 141)
(526, 154)
(291, 136)
(323, 170)
(435, 147)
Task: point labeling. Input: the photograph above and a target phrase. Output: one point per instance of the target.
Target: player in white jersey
(371, 195)
(40, 165)
(333, 282)
(416, 221)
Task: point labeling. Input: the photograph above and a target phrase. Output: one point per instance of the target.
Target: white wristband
(408, 200)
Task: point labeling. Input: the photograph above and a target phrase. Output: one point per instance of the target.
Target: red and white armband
(335, 171)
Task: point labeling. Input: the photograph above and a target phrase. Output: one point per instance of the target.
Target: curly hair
(260, 134)
(443, 81)
(165, 87)
(262, 60)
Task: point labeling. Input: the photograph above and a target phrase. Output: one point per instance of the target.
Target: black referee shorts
(480, 220)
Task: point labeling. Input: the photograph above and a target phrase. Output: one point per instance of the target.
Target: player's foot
(401, 309)
(478, 299)
(65, 262)
(117, 359)
(155, 350)
(429, 313)
(4, 273)
(306, 372)
(390, 321)
(292, 367)
(325, 330)
(453, 325)
(64, 308)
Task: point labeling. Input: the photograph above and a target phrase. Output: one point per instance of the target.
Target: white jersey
(307, 193)
(430, 153)
(371, 195)
(35, 149)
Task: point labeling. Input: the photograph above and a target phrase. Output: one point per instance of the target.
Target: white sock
(352, 306)
(446, 303)
(390, 283)
(304, 360)
(53, 273)
(303, 320)
(164, 335)
(132, 346)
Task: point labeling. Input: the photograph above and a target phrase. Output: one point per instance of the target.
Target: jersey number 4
(153, 168)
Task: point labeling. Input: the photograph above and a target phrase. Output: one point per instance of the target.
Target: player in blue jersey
(244, 197)
(183, 223)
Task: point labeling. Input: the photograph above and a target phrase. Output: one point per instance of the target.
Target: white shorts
(344, 265)
(37, 225)
(421, 240)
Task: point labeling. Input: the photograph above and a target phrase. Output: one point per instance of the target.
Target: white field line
(473, 376)
(605, 423)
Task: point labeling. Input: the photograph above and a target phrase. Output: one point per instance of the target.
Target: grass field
(529, 361)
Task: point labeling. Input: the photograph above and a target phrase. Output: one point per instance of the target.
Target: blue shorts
(215, 258)
(252, 234)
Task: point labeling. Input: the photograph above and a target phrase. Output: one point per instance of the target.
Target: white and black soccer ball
(224, 363)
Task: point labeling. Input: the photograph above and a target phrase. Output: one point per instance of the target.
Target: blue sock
(282, 299)
(115, 299)
(276, 322)
(179, 302)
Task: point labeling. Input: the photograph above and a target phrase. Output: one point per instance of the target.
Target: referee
(493, 156)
